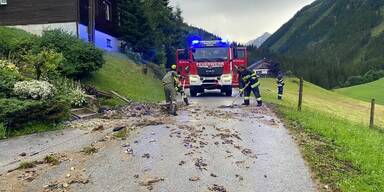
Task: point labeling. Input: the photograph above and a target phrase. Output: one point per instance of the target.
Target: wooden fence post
(372, 117)
(300, 94)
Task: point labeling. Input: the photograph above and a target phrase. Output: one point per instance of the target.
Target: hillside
(366, 92)
(259, 41)
(332, 131)
(125, 77)
(329, 41)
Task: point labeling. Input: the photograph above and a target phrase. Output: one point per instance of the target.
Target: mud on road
(205, 148)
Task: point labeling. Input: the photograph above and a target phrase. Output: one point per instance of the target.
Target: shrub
(43, 63)
(70, 91)
(15, 113)
(80, 58)
(10, 40)
(3, 131)
(8, 78)
(34, 89)
(158, 70)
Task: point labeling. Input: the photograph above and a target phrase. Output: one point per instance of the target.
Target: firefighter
(280, 86)
(170, 82)
(179, 87)
(249, 83)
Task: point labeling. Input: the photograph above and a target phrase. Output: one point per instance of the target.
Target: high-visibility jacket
(248, 76)
(280, 81)
(171, 78)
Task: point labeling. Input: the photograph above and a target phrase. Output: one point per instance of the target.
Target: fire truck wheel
(228, 93)
(193, 93)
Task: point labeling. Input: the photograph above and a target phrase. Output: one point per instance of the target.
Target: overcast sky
(239, 20)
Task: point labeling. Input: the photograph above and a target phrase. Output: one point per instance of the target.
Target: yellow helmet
(173, 67)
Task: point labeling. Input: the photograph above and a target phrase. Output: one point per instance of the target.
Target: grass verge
(366, 92)
(343, 153)
(125, 77)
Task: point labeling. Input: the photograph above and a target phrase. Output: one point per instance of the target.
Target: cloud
(241, 20)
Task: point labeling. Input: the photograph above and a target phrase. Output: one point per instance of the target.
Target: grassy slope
(125, 77)
(332, 131)
(366, 91)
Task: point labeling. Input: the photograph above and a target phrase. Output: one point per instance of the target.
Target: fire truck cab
(209, 65)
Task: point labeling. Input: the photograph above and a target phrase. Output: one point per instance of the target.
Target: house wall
(100, 39)
(26, 12)
(37, 29)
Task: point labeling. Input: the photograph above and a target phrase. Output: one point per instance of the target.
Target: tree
(43, 63)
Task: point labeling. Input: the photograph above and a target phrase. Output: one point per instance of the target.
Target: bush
(34, 89)
(10, 40)
(15, 113)
(368, 77)
(44, 63)
(3, 131)
(80, 58)
(8, 78)
(158, 70)
(70, 91)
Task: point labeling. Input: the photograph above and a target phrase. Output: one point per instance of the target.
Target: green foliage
(338, 145)
(11, 39)
(366, 92)
(126, 78)
(329, 41)
(154, 29)
(158, 70)
(44, 63)
(366, 78)
(8, 79)
(27, 165)
(3, 131)
(89, 150)
(52, 160)
(80, 58)
(16, 113)
(70, 91)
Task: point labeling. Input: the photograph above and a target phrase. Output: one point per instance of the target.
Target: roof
(262, 64)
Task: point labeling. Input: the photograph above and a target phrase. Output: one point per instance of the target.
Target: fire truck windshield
(210, 54)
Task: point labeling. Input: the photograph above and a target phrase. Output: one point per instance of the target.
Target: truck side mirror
(187, 69)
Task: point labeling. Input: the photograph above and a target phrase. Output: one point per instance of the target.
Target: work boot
(259, 103)
(246, 103)
(186, 101)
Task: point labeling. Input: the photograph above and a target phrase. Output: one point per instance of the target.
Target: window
(108, 11)
(109, 43)
(3, 2)
(182, 55)
(240, 54)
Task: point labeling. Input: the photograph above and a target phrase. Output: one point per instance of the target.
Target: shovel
(237, 97)
(184, 96)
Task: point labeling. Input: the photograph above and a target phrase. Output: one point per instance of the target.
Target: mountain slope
(366, 92)
(259, 41)
(329, 41)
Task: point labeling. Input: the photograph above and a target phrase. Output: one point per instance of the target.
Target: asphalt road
(205, 148)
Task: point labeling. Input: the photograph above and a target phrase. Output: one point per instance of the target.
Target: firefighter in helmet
(179, 86)
(170, 80)
(249, 82)
(280, 86)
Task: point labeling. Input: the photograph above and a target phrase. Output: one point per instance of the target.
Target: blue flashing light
(195, 42)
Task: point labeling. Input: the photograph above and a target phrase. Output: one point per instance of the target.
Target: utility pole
(91, 21)
(300, 103)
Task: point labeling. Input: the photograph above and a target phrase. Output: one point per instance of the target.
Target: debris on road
(194, 178)
(217, 188)
(201, 164)
(146, 155)
(213, 175)
(148, 182)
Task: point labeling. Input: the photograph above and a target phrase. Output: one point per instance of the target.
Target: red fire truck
(208, 65)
